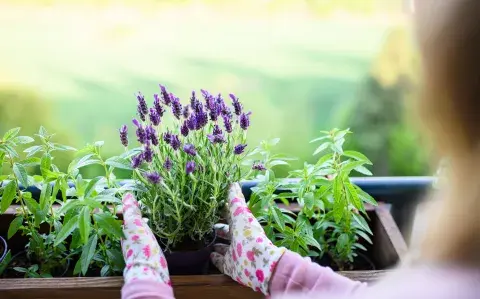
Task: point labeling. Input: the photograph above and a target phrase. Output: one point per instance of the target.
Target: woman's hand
(251, 258)
(144, 258)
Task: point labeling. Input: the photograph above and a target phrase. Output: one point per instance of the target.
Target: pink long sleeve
(297, 274)
(144, 289)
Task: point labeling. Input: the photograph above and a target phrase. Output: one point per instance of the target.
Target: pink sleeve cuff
(146, 289)
(297, 274)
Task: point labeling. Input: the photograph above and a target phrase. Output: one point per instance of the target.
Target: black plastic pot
(3, 248)
(195, 262)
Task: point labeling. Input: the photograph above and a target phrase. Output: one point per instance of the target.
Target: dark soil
(21, 260)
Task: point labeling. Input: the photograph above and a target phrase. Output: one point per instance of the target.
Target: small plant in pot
(330, 223)
(190, 154)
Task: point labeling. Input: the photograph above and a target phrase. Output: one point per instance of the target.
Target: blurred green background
(300, 66)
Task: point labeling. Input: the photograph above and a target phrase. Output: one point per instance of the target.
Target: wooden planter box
(388, 249)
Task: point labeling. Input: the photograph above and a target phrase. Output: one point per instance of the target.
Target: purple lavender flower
(137, 160)
(215, 112)
(192, 122)
(202, 119)
(227, 122)
(153, 177)
(186, 111)
(141, 134)
(239, 149)
(216, 138)
(236, 104)
(195, 103)
(176, 106)
(184, 129)
(190, 149)
(258, 166)
(205, 93)
(158, 105)
(151, 135)
(167, 137)
(165, 95)
(124, 135)
(190, 167)
(245, 121)
(148, 153)
(167, 164)
(142, 108)
(217, 130)
(175, 142)
(154, 117)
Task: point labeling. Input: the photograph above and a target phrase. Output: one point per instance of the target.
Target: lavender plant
(187, 166)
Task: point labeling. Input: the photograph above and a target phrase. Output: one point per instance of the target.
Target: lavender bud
(148, 154)
(167, 137)
(167, 164)
(227, 122)
(186, 111)
(157, 105)
(191, 122)
(236, 104)
(176, 106)
(202, 120)
(124, 135)
(190, 167)
(216, 138)
(226, 112)
(165, 95)
(190, 149)
(141, 135)
(244, 121)
(175, 142)
(214, 112)
(151, 135)
(154, 117)
(142, 109)
(137, 160)
(193, 100)
(184, 129)
(153, 177)
(217, 130)
(258, 166)
(239, 149)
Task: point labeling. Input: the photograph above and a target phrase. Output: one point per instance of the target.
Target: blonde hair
(449, 41)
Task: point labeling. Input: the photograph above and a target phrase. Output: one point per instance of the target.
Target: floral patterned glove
(143, 257)
(251, 257)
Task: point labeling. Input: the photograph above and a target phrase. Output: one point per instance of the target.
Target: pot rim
(5, 248)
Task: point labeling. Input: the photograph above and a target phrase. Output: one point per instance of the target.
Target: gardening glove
(144, 258)
(251, 258)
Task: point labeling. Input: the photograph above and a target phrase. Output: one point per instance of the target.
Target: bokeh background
(300, 66)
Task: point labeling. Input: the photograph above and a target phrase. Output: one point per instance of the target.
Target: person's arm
(297, 274)
(146, 272)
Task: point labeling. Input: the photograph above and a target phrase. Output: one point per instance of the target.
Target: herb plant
(330, 216)
(68, 206)
(186, 166)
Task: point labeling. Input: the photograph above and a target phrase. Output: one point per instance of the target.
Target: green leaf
(320, 138)
(348, 166)
(362, 223)
(62, 147)
(363, 170)
(107, 199)
(11, 133)
(30, 162)
(21, 174)
(337, 146)
(87, 253)
(32, 150)
(364, 236)
(84, 161)
(309, 199)
(5, 262)
(116, 258)
(105, 270)
(118, 162)
(78, 267)
(311, 241)
(84, 224)
(14, 226)
(20, 269)
(352, 195)
(277, 162)
(8, 195)
(278, 220)
(111, 226)
(9, 150)
(67, 229)
(324, 159)
(45, 164)
(357, 156)
(321, 148)
(360, 246)
(365, 196)
(23, 140)
(91, 186)
(342, 242)
(69, 205)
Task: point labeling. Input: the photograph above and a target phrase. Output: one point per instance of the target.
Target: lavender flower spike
(186, 111)
(142, 108)
(190, 167)
(141, 134)
(176, 106)
(151, 135)
(154, 117)
(244, 121)
(239, 149)
(227, 122)
(167, 137)
(153, 177)
(258, 166)
(137, 160)
(124, 135)
(190, 149)
(148, 154)
(236, 104)
(184, 129)
(175, 142)
(167, 164)
(157, 105)
(165, 95)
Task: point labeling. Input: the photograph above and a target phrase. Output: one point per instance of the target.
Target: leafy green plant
(331, 214)
(73, 219)
(187, 167)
